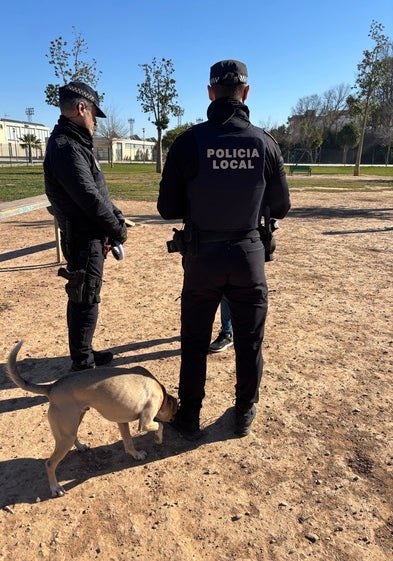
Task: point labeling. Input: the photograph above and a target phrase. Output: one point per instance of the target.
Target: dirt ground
(314, 478)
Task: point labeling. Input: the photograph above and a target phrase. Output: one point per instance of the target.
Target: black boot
(187, 421)
(244, 416)
(101, 358)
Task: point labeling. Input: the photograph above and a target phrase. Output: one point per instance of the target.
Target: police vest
(227, 192)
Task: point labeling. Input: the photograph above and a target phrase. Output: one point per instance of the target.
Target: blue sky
(292, 49)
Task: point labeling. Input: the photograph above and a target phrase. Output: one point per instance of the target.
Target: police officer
(219, 177)
(77, 191)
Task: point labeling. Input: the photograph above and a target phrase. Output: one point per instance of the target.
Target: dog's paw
(141, 455)
(80, 446)
(57, 491)
(158, 438)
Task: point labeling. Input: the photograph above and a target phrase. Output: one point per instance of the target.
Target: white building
(11, 133)
(132, 149)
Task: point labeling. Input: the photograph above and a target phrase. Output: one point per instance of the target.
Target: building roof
(4, 120)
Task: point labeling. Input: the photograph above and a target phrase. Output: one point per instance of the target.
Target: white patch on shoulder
(97, 163)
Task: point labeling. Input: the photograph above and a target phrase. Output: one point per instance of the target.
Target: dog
(120, 395)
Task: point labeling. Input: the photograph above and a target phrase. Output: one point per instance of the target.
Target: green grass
(341, 178)
(139, 182)
(136, 182)
(132, 182)
(381, 171)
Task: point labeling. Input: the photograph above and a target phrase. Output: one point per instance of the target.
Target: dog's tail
(13, 374)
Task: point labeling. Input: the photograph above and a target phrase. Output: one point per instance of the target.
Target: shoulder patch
(270, 135)
(61, 141)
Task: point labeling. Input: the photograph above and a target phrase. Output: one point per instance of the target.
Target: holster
(81, 287)
(75, 286)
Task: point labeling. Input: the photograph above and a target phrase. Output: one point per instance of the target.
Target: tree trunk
(387, 157)
(111, 153)
(345, 152)
(356, 171)
(159, 151)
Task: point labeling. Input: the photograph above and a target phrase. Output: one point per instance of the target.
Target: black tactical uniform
(219, 177)
(77, 191)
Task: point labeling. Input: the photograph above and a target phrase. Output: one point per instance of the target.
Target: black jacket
(227, 119)
(76, 187)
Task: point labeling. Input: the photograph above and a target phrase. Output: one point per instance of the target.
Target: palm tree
(29, 141)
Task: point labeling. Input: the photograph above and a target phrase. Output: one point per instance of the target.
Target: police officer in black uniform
(88, 220)
(220, 177)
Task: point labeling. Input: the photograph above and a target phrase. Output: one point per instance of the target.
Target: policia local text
(232, 158)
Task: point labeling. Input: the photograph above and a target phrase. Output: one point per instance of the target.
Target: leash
(164, 397)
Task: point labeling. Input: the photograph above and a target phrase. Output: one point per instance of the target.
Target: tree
(157, 94)
(68, 66)
(382, 117)
(334, 107)
(110, 129)
(317, 117)
(28, 142)
(348, 137)
(305, 121)
(170, 136)
(281, 135)
(305, 126)
(312, 139)
(371, 74)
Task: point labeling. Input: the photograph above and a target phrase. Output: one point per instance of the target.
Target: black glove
(118, 213)
(122, 237)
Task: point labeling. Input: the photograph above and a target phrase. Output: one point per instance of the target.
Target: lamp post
(143, 146)
(16, 145)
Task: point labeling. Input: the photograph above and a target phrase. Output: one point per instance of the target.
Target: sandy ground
(314, 478)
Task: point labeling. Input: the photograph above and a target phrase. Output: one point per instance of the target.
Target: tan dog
(121, 395)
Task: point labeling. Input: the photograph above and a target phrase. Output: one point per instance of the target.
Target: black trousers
(82, 317)
(234, 269)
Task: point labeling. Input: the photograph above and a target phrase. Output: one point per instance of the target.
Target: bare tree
(334, 107)
(310, 105)
(68, 66)
(111, 128)
(157, 94)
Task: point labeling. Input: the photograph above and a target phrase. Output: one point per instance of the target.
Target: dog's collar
(164, 397)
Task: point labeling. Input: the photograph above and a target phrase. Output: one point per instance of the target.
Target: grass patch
(341, 183)
(135, 182)
(140, 182)
(341, 178)
(380, 171)
(132, 182)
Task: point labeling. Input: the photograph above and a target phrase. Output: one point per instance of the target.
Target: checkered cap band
(81, 92)
(241, 78)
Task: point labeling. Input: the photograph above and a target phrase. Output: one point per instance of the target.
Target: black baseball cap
(228, 72)
(76, 89)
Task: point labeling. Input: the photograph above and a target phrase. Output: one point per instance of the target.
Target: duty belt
(205, 236)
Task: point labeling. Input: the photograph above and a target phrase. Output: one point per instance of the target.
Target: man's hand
(122, 237)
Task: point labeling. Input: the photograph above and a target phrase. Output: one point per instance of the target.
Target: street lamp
(143, 146)
(16, 145)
